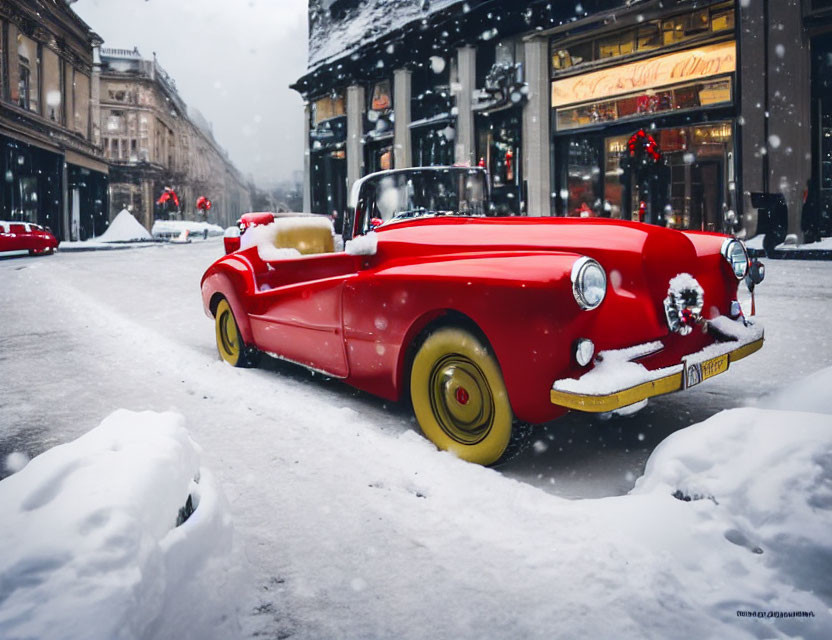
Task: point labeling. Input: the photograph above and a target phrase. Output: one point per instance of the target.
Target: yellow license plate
(697, 372)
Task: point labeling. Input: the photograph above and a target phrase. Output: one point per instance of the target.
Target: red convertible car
(26, 236)
(487, 324)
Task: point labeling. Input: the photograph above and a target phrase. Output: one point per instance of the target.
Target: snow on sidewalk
(92, 547)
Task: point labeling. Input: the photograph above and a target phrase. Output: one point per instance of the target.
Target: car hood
(640, 259)
(608, 241)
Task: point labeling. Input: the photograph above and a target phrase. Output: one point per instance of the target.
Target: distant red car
(26, 236)
(488, 324)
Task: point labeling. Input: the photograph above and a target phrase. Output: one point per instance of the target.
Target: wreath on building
(642, 150)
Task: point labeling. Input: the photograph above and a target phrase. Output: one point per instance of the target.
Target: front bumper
(617, 381)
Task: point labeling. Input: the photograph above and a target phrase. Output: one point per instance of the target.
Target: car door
(297, 310)
(17, 237)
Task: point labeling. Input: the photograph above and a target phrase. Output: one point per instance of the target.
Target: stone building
(51, 169)
(674, 112)
(153, 141)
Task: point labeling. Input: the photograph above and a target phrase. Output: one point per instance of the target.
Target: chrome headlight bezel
(736, 255)
(586, 266)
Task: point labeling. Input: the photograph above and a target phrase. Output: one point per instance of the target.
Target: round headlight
(589, 283)
(736, 255)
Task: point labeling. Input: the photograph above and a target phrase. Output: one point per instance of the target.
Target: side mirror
(756, 273)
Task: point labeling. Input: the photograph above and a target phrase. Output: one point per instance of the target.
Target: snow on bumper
(616, 381)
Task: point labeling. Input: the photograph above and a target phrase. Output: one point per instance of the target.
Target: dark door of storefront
(499, 149)
(329, 184)
(819, 211)
(31, 188)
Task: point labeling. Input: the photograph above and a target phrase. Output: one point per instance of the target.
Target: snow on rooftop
(330, 39)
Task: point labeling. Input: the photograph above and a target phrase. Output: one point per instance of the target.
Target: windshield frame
(364, 190)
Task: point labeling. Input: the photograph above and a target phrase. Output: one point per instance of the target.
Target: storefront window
(433, 145)
(328, 107)
(28, 73)
(82, 104)
(682, 180)
(689, 185)
(613, 205)
(648, 36)
(52, 86)
(378, 127)
(379, 156)
(684, 97)
(582, 193)
(2, 57)
(431, 89)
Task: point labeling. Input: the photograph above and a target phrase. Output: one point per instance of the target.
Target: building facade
(818, 22)
(679, 113)
(154, 142)
(51, 169)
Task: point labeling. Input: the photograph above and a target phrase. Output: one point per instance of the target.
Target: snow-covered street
(348, 524)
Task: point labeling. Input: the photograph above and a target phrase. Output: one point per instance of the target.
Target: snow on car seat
(290, 237)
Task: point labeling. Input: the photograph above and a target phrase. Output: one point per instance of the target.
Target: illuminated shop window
(691, 27)
(652, 101)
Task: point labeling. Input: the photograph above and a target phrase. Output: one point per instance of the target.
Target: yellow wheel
(459, 396)
(229, 342)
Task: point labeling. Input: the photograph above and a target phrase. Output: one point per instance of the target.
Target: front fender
(521, 301)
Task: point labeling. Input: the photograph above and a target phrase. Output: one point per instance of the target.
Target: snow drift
(124, 228)
(94, 543)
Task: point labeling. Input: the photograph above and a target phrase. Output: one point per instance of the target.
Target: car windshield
(414, 193)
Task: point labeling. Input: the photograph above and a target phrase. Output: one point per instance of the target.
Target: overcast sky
(231, 59)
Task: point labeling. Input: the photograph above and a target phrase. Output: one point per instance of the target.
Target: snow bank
(172, 228)
(810, 394)
(91, 546)
(824, 244)
(762, 481)
(124, 228)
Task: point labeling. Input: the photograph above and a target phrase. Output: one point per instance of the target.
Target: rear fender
(235, 285)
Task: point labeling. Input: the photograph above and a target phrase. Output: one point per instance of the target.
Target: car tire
(460, 399)
(230, 343)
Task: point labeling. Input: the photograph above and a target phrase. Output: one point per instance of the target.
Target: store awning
(88, 163)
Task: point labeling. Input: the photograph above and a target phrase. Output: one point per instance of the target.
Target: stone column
(95, 98)
(789, 104)
(536, 135)
(355, 131)
(401, 130)
(464, 90)
(307, 160)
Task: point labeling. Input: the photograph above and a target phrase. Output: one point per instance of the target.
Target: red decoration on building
(168, 195)
(642, 143)
(203, 203)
